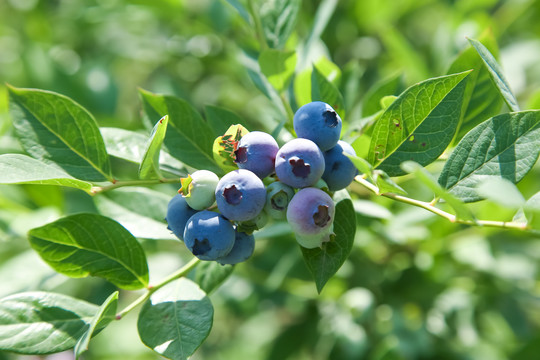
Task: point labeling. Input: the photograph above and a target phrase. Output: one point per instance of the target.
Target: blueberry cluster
(294, 182)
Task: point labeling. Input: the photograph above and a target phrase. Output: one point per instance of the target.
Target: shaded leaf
(501, 191)
(418, 125)
(176, 319)
(104, 316)
(325, 261)
(42, 323)
(89, 244)
(210, 274)
(130, 146)
(189, 138)
(278, 67)
(496, 74)
(482, 99)
(302, 80)
(323, 90)
(241, 9)
(504, 146)
(372, 100)
(143, 223)
(462, 212)
(149, 168)
(220, 119)
(22, 169)
(387, 185)
(55, 129)
(278, 18)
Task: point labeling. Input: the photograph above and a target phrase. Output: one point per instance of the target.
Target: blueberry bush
(269, 180)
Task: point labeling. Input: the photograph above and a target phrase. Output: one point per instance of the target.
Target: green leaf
(130, 146)
(302, 81)
(419, 124)
(462, 212)
(496, 74)
(389, 86)
(42, 323)
(55, 129)
(189, 138)
(501, 191)
(482, 99)
(323, 90)
(210, 274)
(89, 244)
(241, 10)
(504, 146)
(141, 211)
(324, 262)
(22, 169)
(361, 164)
(104, 316)
(149, 168)
(387, 185)
(220, 119)
(278, 67)
(278, 19)
(176, 319)
(531, 210)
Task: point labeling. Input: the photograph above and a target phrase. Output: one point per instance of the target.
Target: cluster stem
(183, 271)
(430, 206)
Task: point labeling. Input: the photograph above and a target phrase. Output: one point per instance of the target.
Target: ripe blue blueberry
(240, 195)
(199, 189)
(311, 216)
(318, 122)
(256, 151)
(278, 196)
(208, 235)
(299, 163)
(339, 171)
(178, 213)
(242, 250)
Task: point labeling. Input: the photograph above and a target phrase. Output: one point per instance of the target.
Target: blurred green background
(415, 285)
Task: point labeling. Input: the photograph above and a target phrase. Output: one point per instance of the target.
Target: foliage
(436, 248)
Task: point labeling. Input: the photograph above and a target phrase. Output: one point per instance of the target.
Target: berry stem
(183, 271)
(117, 184)
(430, 206)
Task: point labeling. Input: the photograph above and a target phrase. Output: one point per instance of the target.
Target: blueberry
(299, 163)
(199, 189)
(178, 213)
(311, 216)
(278, 196)
(240, 195)
(208, 235)
(256, 152)
(244, 244)
(319, 122)
(339, 170)
(256, 223)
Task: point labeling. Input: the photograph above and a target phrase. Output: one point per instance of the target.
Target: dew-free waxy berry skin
(242, 250)
(240, 195)
(278, 196)
(256, 151)
(311, 216)
(178, 213)
(200, 189)
(339, 171)
(318, 122)
(299, 163)
(208, 235)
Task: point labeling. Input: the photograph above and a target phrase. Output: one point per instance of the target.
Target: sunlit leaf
(504, 146)
(89, 244)
(176, 319)
(55, 129)
(418, 125)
